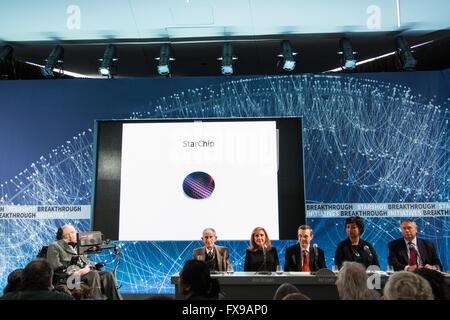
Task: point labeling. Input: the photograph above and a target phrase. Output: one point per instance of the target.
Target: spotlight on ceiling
(227, 59)
(348, 60)
(108, 66)
(55, 60)
(287, 55)
(164, 60)
(404, 53)
(6, 54)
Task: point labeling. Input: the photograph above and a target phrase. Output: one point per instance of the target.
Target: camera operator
(61, 255)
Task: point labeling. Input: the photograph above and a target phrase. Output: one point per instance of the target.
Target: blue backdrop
(368, 138)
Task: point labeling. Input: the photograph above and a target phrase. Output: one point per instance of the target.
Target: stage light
(407, 60)
(348, 60)
(6, 54)
(55, 59)
(164, 60)
(288, 60)
(109, 62)
(227, 59)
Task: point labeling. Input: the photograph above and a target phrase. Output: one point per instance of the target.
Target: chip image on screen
(198, 185)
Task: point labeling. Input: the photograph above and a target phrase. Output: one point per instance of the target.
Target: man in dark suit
(216, 257)
(410, 253)
(301, 257)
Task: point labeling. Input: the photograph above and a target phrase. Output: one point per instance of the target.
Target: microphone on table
(265, 257)
(316, 255)
(367, 250)
(264, 265)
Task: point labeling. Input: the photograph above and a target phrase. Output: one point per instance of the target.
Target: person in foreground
(352, 283)
(14, 281)
(60, 254)
(354, 248)
(261, 255)
(404, 285)
(216, 257)
(301, 257)
(37, 284)
(196, 282)
(437, 282)
(410, 253)
(284, 289)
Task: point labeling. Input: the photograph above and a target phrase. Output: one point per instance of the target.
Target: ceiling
(316, 54)
(197, 30)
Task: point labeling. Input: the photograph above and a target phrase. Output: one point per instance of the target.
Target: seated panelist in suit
(216, 257)
(303, 256)
(260, 256)
(60, 255)
(354, 248)
(411, 253)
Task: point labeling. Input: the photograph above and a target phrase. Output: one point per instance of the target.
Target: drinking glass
(390, 269)
(279, 269)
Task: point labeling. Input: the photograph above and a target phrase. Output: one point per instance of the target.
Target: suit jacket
(102, 283)
(60, 254)
(221, 253)
(398, 254)
(345, 252)
(293, 259)
(254, 260)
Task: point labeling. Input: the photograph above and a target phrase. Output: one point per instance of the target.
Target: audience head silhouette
(352, 282)
(196, 281)
(37, 276)
(296, 296)
(437, 282)
(404, 285)
(14, 281)
(283, 290)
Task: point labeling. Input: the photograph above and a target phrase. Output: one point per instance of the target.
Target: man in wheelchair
(74, 268)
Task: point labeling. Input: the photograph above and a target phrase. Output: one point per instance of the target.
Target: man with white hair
(411, 253)
(217, 257)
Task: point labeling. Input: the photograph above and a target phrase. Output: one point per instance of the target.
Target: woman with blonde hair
(260, 256)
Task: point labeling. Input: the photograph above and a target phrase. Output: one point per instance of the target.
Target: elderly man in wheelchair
(73, 268)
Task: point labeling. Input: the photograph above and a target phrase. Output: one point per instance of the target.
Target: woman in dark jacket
(354, 248)
(261, 256)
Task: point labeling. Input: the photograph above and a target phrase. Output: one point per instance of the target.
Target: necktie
(305, 261)
(412, 254)
(210, 254)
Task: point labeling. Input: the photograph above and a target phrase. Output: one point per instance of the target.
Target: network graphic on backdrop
(365, 141)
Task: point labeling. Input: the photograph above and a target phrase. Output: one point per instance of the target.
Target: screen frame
(105, 213)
